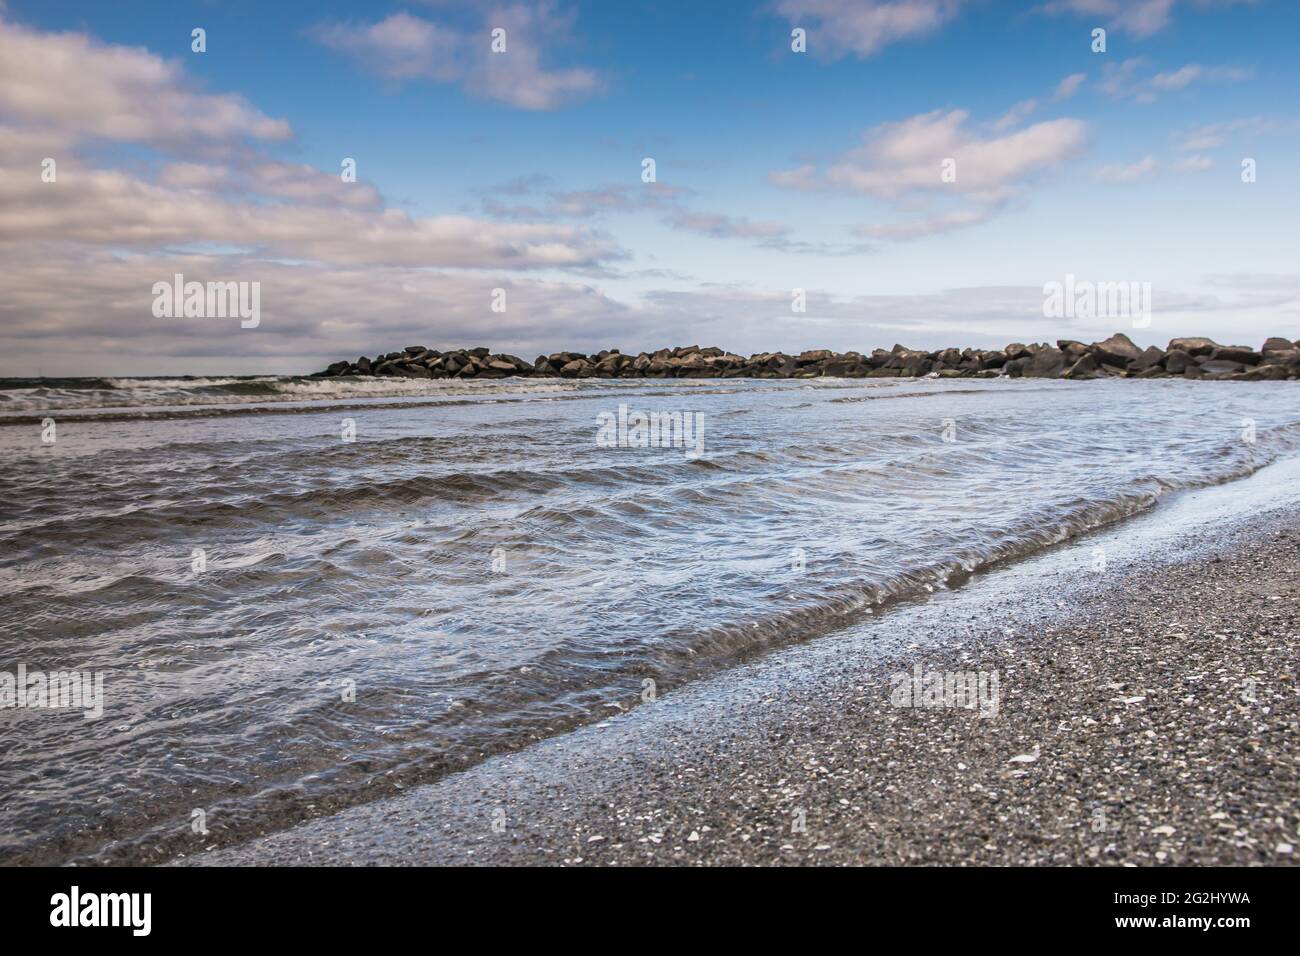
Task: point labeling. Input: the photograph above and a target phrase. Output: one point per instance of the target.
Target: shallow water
(481, 571)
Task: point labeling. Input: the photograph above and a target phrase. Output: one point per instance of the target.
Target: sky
(917, 171)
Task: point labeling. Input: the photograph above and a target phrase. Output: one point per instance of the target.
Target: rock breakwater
(1115, 357)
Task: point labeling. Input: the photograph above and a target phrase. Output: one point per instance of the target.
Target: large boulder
(915, 364)
(1151, 371)
(1084, 368)
(814, 355)
(1177, 362)
(1150, 358)
(951, 358)
(1236, 353)
(690, 360)
(1118, 350)
(1193, 346)
(846, 368)
(993, 360)
(879, 358)
(1267, 373)
(1045, 363)
(1288, 358)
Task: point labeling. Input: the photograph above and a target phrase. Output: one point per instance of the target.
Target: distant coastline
(1116, 357)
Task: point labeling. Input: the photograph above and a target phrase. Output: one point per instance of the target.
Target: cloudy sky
(522, 170)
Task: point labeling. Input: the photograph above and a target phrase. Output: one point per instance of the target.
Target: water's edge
(1161, 516)
(435, 824)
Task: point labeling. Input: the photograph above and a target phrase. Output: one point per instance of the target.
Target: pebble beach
(1147, 717)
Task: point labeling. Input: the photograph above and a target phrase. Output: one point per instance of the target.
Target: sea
(300, 594)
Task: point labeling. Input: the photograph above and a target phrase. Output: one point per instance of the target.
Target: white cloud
(1130, 173)
(95, 318)
(1177, 80)
(1213, 135)
(113, 208)
(91, 314)
(403, 47)
(587, 203)
(400, 47)
(1137, 18)
(1201, 141)
(1016, 115)
(1069, 86)
(726, 227)
(622, 198)
(286, 181)
(863, 27)
(1195, 164)
(1143, 18)
(1124, 80)
(64, 89)
(82, 252)
(801, 177)
(929, 226)
(908, 156)
(68, 84)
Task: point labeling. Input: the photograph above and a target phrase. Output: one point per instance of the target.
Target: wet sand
(1148, 713)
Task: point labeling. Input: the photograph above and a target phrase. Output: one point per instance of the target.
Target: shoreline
(1152, 711)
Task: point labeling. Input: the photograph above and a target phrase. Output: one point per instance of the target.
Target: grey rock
(1151, 357)
(1085, 368)
(1118, 350)
(1193, 346)
(1243, 354)
(1046, 363)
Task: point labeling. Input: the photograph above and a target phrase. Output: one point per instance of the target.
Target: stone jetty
(1115, 357)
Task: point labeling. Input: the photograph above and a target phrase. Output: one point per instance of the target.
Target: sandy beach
(1148, 714)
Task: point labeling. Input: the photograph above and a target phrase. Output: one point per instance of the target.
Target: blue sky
(776, 171)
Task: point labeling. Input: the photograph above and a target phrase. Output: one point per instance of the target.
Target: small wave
(488, 576)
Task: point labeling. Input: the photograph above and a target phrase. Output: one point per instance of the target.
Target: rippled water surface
(475, 571)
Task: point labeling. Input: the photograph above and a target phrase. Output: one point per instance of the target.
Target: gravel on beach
(1153, 722)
